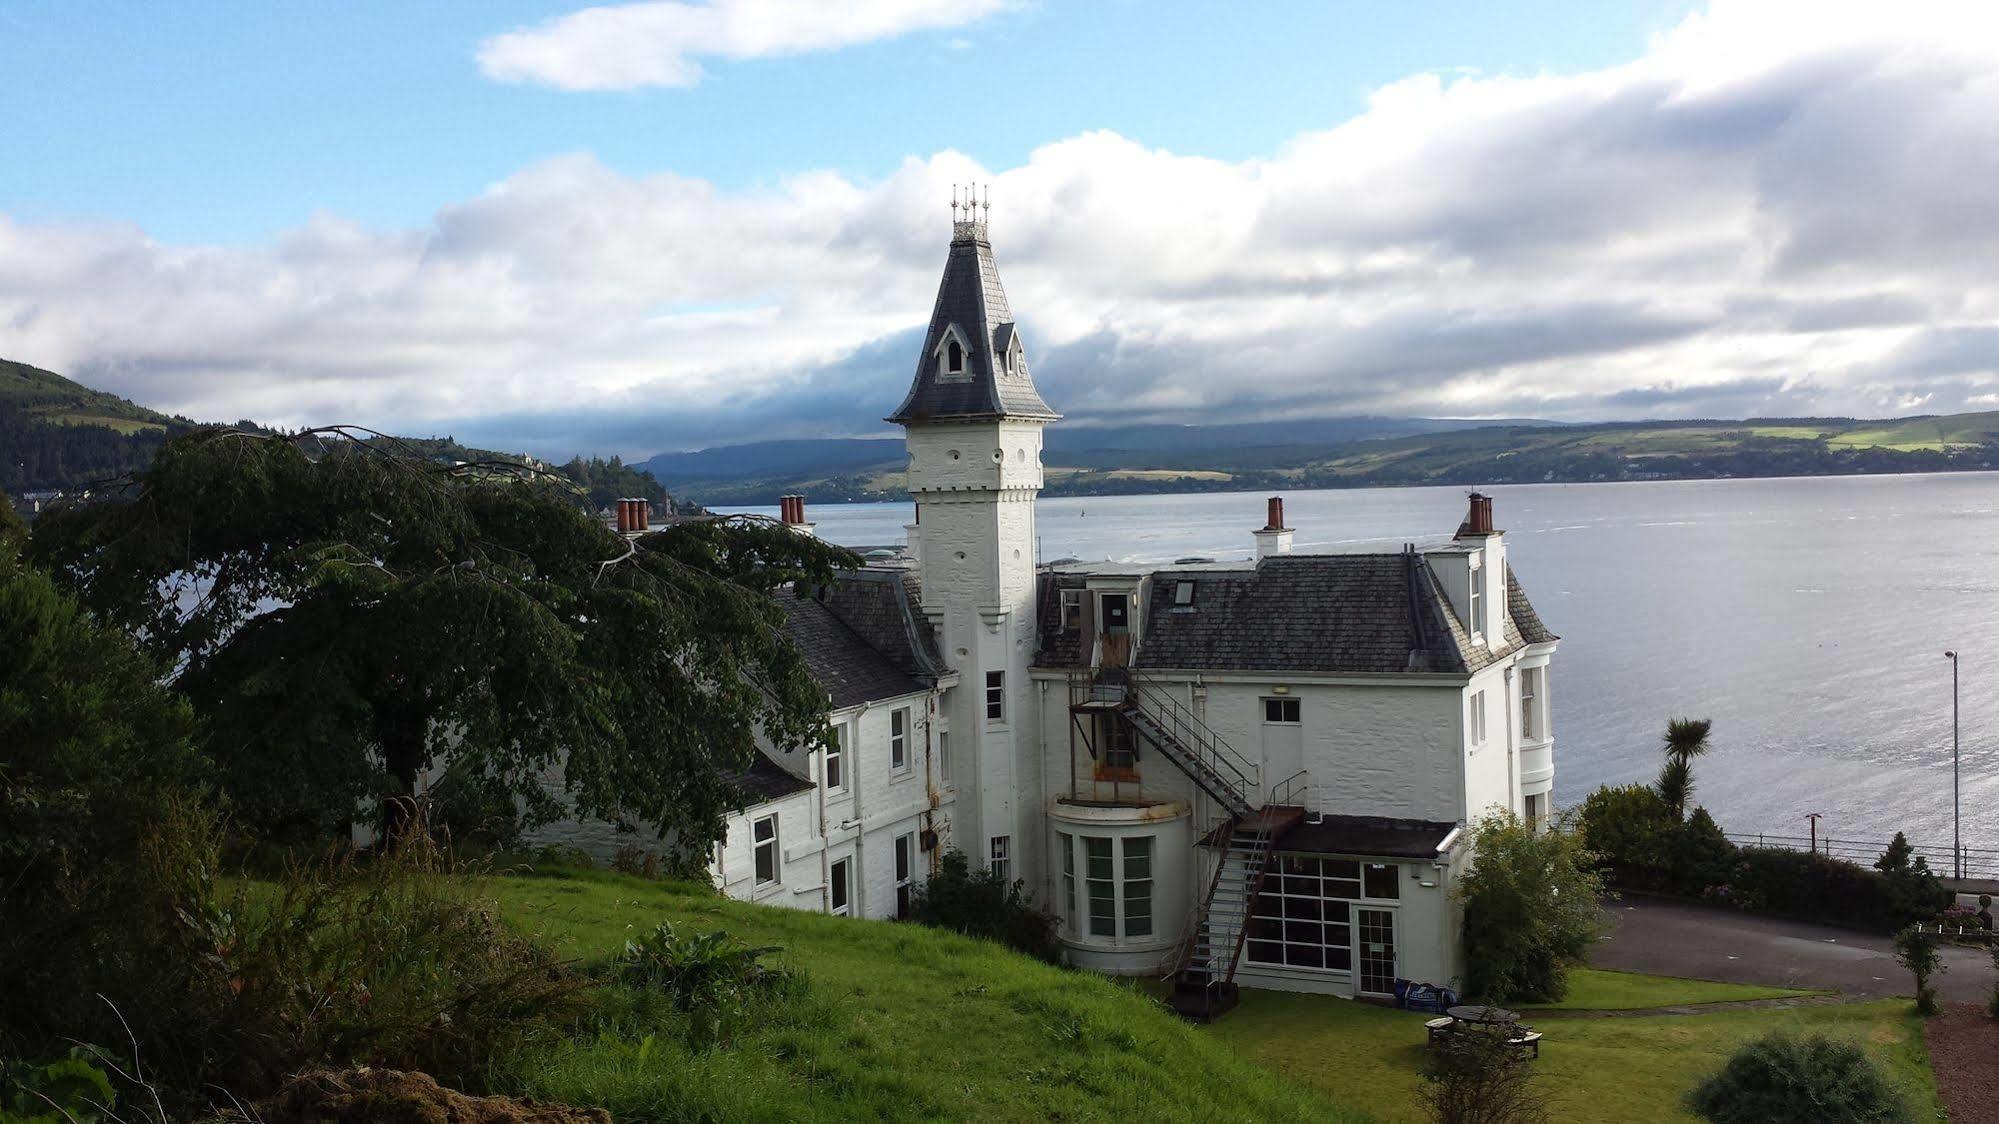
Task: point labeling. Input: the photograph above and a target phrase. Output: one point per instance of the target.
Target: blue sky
(210, 122)
(646, 226)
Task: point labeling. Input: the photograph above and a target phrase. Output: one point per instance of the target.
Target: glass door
(1376, 949)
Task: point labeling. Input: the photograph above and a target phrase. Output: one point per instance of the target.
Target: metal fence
(1979, 862)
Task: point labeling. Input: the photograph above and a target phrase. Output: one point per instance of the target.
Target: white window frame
(757, 845)
(1478, 718)
(1533, 809)
(999, 857)
(840, 876)
(834, 767)
(1477, 601)
(898, 739)
(1085, 890)
(1275, 894)
(1072, 610)
(995, 697)
(1280, 700)
(905, 873)
(944, 758)
(1530, 691)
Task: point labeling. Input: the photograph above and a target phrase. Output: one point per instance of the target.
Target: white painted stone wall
(800, 883)
(1427, 942)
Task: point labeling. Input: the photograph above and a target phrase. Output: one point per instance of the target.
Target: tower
(973, 422)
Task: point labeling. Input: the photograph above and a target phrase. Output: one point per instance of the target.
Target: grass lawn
(1593, 1069)
(900, 1022)
(1596, 989)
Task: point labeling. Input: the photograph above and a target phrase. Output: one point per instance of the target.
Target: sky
(643, 227)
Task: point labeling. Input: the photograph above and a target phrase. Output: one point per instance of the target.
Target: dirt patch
(1964, 1052)
(388, 1096)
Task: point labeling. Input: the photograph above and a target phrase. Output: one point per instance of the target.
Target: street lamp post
(1956, 804)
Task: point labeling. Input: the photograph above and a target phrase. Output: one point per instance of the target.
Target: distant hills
(1366, 452)
(56, 434)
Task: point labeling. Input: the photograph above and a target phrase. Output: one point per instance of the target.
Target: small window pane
(1382, 880)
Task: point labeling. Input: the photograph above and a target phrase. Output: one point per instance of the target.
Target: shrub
(69, 1090)
(1479, 1078)
(983, 904)
(472, 811)
(707, 969)
(1918, 950)
(1781, 1078)
(1702, 855)
(1530, 909)
(1633, 832)
(1809, 885)
(1914, 892)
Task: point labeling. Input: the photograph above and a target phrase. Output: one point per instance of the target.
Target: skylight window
(1183, 594)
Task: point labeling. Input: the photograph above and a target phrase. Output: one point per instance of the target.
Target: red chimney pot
(1276, 517)
(624, 516)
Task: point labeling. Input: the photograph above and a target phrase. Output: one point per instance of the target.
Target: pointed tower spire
(972, 366)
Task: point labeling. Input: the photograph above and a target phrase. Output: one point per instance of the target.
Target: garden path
(1683, 939)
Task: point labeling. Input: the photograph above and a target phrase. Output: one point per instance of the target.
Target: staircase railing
(1196, 738)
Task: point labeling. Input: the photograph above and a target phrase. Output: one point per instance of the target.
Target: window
(1535, 808)
(1100, 875)
(954, 357)
(1280, 710)
(842, 888)
(763, 835)
(836, 760)
(898, 739)
(1072, 610)
(1304, 916)
(905, 872)
(1478, 718)
(1477, 601)
(1067, 843)
(1120, 743)
(1116, 885)
(1530, 689)
(1138, 887)
(1183, 594)
(944, 757)
(995, 696)
(1001, 863)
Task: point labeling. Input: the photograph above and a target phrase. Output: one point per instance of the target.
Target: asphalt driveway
(1680, 939)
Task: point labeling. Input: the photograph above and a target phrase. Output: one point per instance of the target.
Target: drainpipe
(1512, 732)
(859, 894)
(825, 855)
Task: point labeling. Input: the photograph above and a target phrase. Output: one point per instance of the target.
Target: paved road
(1679, 939)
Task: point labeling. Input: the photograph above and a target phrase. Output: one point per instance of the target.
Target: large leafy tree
(346, 618)
(1530, 909)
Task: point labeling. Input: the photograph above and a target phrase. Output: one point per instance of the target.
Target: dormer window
(953, 356)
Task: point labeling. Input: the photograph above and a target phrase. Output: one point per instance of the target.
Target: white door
(1283, 744)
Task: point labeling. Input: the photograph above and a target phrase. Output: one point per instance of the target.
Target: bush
(1479, 1078)
(1809, 885)
(68, 1090)
(982, 904)
(1780, 1078)
(1914, 892)
(1919, 950)
(711, 969)
(472, 811)
(1530, 909)
(1634, 834)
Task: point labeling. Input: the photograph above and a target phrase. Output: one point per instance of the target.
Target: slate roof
(764, 781)
(883, 607)
(1367, 836)
(1333, 613)
(1322, 614)
(850, 669)
(971, 299)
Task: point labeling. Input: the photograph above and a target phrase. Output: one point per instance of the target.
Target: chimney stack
(1274, 537)
(624, 509)
(1478, 516)
(644, 509)
(791, 512)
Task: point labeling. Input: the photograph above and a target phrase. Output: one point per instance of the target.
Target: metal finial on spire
(987, 191)
(954, 202)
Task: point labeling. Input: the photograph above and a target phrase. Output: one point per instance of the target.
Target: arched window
(954, 358)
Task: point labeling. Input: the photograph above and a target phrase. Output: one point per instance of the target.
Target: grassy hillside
(60, 435)
(32, 393)
(1493, 454)
(900, 1022)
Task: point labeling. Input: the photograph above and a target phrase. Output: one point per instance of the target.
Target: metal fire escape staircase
(1205, 977)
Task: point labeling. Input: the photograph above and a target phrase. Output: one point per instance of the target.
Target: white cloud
(628, 46)
(1740, 221)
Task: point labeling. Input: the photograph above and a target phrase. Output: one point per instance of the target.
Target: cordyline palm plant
(1686, 739)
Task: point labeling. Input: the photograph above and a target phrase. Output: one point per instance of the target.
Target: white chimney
(1274, 537)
